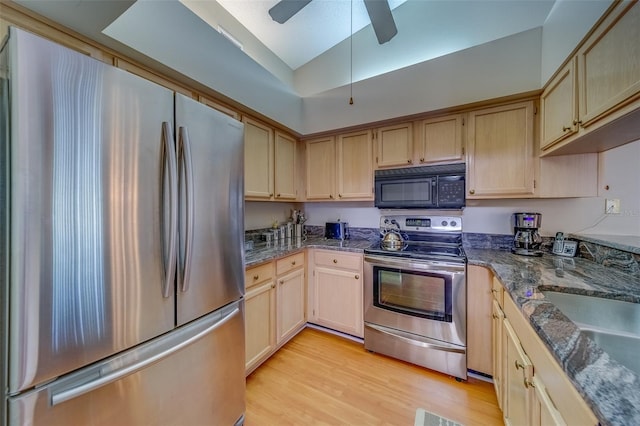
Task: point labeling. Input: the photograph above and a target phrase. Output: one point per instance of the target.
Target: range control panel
(422, 223)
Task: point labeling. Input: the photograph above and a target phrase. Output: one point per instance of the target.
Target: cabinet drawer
(335, 259)
(290, 262)
(498, 291)
(258, 275)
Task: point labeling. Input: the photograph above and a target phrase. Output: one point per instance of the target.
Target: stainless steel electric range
(415, 292)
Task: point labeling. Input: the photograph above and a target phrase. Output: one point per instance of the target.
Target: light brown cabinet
(269, 163)
(336, 292)
(479, 326)
(517, 379)
(500, 157)
(275, 304)
(394, 145)
(291, 296)
(340, 168)
(440, 140)
(258, 160)
(259, 315)
(600, 85)
(497, 317)
(285, 167)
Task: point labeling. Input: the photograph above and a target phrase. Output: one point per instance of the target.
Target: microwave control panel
(451, 191)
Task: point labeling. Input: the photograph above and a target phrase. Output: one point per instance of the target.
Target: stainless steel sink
(612, 324)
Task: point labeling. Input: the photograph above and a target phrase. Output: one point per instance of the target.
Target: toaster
(336, 230)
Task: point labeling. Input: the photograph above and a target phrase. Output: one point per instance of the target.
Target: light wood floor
(319, 378)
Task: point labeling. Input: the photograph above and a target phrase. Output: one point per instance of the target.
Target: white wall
(499, 68)
(566, 25)
(618, 168)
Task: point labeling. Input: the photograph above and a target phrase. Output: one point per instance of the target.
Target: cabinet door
(559, 106)
(320, 164)
(609, 64)
(500, 161)
(260, 323)
(543, 411)
(290, 304)
(355, 166)
(479, 302)
(441, 139)
(285, 167)
(337, 300)
(497, 316)
(258, 160)
(518, 373)
(395, 146)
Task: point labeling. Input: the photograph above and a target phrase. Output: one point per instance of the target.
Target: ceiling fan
(378, 10)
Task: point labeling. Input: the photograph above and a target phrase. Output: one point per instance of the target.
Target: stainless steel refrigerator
(121, 266)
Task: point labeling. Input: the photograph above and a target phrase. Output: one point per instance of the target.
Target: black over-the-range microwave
(425, 187)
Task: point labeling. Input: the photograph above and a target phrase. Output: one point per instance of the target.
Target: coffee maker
(526, 240)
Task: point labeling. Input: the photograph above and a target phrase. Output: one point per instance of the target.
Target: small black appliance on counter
(336, 230)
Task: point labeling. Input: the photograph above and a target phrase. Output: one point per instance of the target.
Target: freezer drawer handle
(112, 376)
(170, 160)
(186, 172)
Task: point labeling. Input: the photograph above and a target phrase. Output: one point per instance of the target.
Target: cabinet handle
(271, 195)
(422, 160)
(409, 161)
(519, 365)
(357, 277)
(472, 191)
(495, 316)
(335, 260)
(340, 195)
(493, 290)
(565, 129)
(528, 384)
(273, 285)
(281, 282)
(331, 196)
(255, 277)
(577, 122)
(293, 263)
(278, 195)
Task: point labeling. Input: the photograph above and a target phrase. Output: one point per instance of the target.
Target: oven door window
(419, 294)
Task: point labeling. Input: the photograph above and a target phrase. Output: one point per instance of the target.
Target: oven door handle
(408, 264)
(423, 342)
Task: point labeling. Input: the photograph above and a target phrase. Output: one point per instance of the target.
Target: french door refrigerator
(121, 222)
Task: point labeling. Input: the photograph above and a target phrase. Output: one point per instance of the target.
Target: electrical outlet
(612, 206)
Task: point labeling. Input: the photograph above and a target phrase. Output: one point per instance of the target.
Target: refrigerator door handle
(170, 161)
(184, 146)
(118, 368)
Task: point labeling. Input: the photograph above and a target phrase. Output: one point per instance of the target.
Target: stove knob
(453, 223)
(444, 223)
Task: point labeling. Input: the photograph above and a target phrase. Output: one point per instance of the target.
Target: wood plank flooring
(322, 379)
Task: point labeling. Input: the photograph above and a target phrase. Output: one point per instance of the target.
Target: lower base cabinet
(274, 307)
(532, 389)
(336, 291)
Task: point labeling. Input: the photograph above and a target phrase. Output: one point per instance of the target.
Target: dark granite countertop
(609, 388)
(263, 253)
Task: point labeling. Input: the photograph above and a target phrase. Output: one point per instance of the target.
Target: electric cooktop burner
(425, 237)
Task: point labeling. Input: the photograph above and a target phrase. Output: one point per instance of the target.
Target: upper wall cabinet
(269, 163)
(285, 167)
(500, 157)
(321, 168)
(394, 146)
(258, 160)
(340, 168)
(603, 80)
(439, 140)
(219, 107)
(355, 166)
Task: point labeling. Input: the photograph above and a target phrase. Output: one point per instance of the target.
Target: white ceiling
(312, 51)
(319, 26)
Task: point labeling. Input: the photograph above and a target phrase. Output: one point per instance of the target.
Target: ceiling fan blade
(381, 19)
(285, 9)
